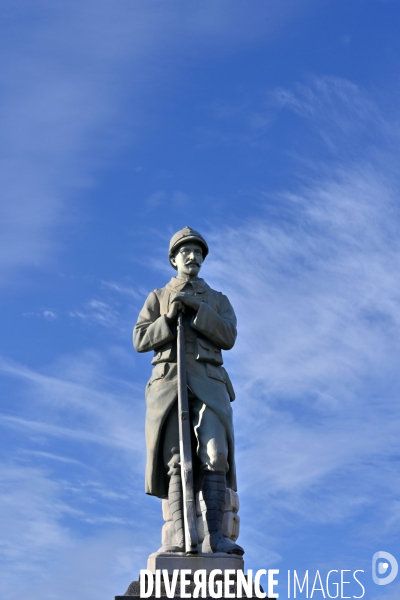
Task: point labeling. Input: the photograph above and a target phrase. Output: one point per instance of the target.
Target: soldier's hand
(174, 309)
(188, 300)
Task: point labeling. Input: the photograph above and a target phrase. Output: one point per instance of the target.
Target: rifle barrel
(185, 446)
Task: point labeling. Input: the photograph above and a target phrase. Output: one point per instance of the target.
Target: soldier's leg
(212, 449)
(212, 443)
(170, 442)
(172, 465)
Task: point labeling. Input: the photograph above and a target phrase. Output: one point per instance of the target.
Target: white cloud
(93, 407)
(98, 312)
(39, 550)
(316, 362)
(177, 199)
(345, 116)
(50, 315)
(74, 511)
(316, 294)
(75, 76)
(50, 456)
(121, 289)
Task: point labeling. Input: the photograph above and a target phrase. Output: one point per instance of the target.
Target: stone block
(231, 525)
(208, 562)
(133, 591)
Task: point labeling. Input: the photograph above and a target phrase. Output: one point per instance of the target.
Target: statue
(209, 326)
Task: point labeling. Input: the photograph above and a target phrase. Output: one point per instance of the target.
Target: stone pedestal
(180, 560)
(170, 562)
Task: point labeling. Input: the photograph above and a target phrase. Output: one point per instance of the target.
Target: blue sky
(273, 128)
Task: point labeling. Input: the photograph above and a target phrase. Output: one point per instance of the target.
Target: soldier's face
(188, 259)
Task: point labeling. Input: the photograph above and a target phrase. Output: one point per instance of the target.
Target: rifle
(185, 447)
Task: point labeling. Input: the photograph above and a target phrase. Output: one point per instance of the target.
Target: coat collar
(176, 284)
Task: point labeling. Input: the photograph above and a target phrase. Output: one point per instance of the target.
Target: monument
(189, 427)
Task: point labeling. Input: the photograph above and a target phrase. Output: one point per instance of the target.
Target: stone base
(180, 560)
(133, 593)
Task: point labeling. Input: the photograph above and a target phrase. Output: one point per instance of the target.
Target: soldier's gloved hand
(173, 310)
(188, 300)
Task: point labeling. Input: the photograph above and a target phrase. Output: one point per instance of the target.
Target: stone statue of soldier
(209, 327)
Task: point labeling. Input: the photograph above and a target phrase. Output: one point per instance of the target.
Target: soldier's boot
(175, 503)
(214, 492)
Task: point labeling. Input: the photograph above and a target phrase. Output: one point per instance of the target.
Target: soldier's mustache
(192, 262)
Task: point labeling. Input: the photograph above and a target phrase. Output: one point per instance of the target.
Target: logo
(380, 565)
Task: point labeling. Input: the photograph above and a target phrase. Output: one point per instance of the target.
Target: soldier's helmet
(183, 236)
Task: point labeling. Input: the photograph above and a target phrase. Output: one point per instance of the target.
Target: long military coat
(207, 332)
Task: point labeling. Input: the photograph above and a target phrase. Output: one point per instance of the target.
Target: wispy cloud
(94, 408)
(112, 308)
(316, 362)
(98, 312)
(314, 284)
(346, 117)
(84, 428)
(64, 432)
(121, 289)
(49, 315)
(38, 548)
(49, 456)
(176, 199)
(67, 97)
